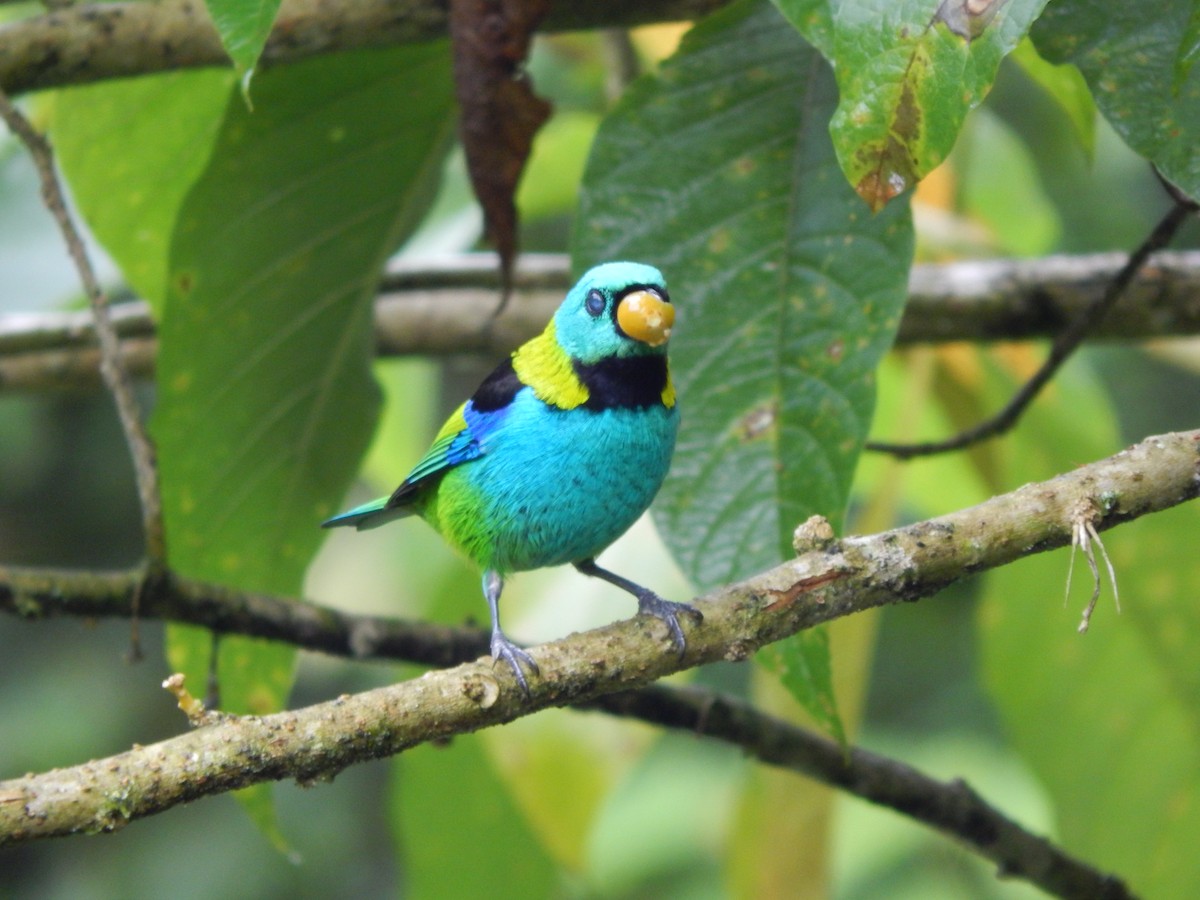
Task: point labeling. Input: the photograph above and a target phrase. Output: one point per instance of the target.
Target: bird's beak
(646, 317)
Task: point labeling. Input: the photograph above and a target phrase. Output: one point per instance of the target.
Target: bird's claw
(651, 604)
(504, 649)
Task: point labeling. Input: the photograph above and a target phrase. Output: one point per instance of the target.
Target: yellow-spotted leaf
(908, 71)
(265, 396)
(720, 170)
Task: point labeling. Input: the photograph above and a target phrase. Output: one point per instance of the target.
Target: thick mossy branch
(96, 41)
(443, 306)
(847, 576)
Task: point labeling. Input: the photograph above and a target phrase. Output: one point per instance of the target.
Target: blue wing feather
(463, 437)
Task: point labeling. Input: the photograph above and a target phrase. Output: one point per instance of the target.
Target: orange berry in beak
(646, 317)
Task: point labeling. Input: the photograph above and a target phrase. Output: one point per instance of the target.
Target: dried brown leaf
(500, 112)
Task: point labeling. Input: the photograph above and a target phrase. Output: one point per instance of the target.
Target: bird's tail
(369, 515)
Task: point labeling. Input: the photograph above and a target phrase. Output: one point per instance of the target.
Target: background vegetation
(255, 221)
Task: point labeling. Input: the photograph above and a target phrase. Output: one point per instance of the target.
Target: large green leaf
(1109, 720)
(1137, 59)
(265, 401)
(907, 73)
(129, 174)
(720, 170)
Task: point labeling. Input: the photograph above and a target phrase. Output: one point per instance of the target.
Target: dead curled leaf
(500, 113)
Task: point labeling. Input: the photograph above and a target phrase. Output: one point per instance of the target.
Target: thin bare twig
(1064, 345)
(111, 367)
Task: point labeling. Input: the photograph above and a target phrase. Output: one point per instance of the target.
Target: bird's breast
(555, 486)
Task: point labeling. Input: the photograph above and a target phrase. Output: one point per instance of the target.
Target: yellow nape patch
(668, 391)
(542, 364)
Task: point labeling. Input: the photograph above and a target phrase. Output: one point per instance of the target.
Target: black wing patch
(498, 389)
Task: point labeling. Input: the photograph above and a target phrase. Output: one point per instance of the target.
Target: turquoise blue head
(615, 309)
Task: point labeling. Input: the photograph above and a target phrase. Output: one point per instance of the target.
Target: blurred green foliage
(1090, 739)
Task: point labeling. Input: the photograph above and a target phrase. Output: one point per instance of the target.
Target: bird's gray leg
(648, 601)
(502, 647)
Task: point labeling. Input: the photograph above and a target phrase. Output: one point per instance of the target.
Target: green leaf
(813, 19)
(803, 666)
(244, 26)
(1136, 59)
(460, 834)
(720, 170)
(543, 758)
(1000, 187)
(1065, 85)
(788, 293)
(1108, 720)
(265, 398)
(908, 72)
(1189, 49)
(128, 174)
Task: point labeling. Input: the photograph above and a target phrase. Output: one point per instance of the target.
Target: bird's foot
(504, 649)
(652, 604)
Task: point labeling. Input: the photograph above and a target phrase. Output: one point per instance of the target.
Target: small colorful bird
(559, 450)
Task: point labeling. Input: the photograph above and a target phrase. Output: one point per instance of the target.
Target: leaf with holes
(908, 72)
(720, 170)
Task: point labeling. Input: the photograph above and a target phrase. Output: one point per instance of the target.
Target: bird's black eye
(594, 303)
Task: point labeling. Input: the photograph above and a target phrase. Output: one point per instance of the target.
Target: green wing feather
(454, 444)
